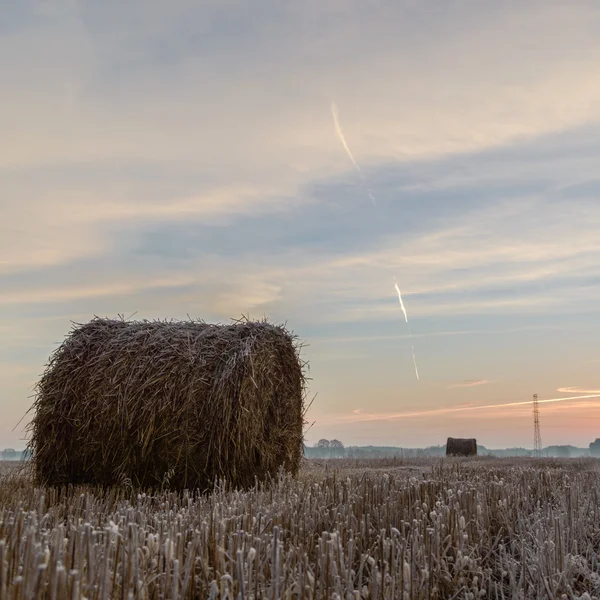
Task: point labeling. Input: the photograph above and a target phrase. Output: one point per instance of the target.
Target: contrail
(408, 325)
(415, 362)
(336, 121)
(338, 129)
(340, 134)
(401, 303)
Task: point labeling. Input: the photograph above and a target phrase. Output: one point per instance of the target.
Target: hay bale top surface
(143, 400)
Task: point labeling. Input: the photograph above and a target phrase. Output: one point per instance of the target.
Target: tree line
(330, 449)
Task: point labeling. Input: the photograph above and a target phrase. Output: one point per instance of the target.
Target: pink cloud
(455, 409)
(576, 390)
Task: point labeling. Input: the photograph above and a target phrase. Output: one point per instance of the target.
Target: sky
(182, 158)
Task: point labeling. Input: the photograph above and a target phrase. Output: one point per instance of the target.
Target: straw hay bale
(178, 402)
(461, 447)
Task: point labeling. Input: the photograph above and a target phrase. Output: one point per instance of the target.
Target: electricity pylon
(537, 436)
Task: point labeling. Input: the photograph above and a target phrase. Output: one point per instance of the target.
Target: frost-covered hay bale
(177, 402)
(461, 447)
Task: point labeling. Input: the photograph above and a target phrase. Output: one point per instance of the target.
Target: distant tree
(324, 447)
(595, 448)
(337, 448)
(9, 454)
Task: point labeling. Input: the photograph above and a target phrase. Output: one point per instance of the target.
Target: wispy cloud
(468, 383)
(576, 390)
(438, 266)
(72, 293)
(453, 85)
(455, 409)
(54, 227)
(459, 332)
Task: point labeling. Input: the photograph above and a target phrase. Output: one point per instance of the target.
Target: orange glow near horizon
(454, 409)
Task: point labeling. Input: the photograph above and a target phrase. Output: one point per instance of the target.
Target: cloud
(395, 416)
(522, 253)
(50, 227)
(146, 174)
(469, 383)
(576, 390)
(62, 294)
(519, 259)
(272, 145)
(361, 339)
(535, 87)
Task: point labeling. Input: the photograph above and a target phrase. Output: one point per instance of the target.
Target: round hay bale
(169, 402)
(461, 447)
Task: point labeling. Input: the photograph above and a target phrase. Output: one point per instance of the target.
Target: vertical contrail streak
(401, 303)
(340, 134)
(408, 325)
(415, 362)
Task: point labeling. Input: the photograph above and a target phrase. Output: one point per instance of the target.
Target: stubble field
(473, 528)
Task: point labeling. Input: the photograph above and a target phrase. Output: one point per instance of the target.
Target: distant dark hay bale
(183, 402)
(461, 447)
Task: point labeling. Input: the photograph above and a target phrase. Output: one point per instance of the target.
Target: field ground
(424, 528)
